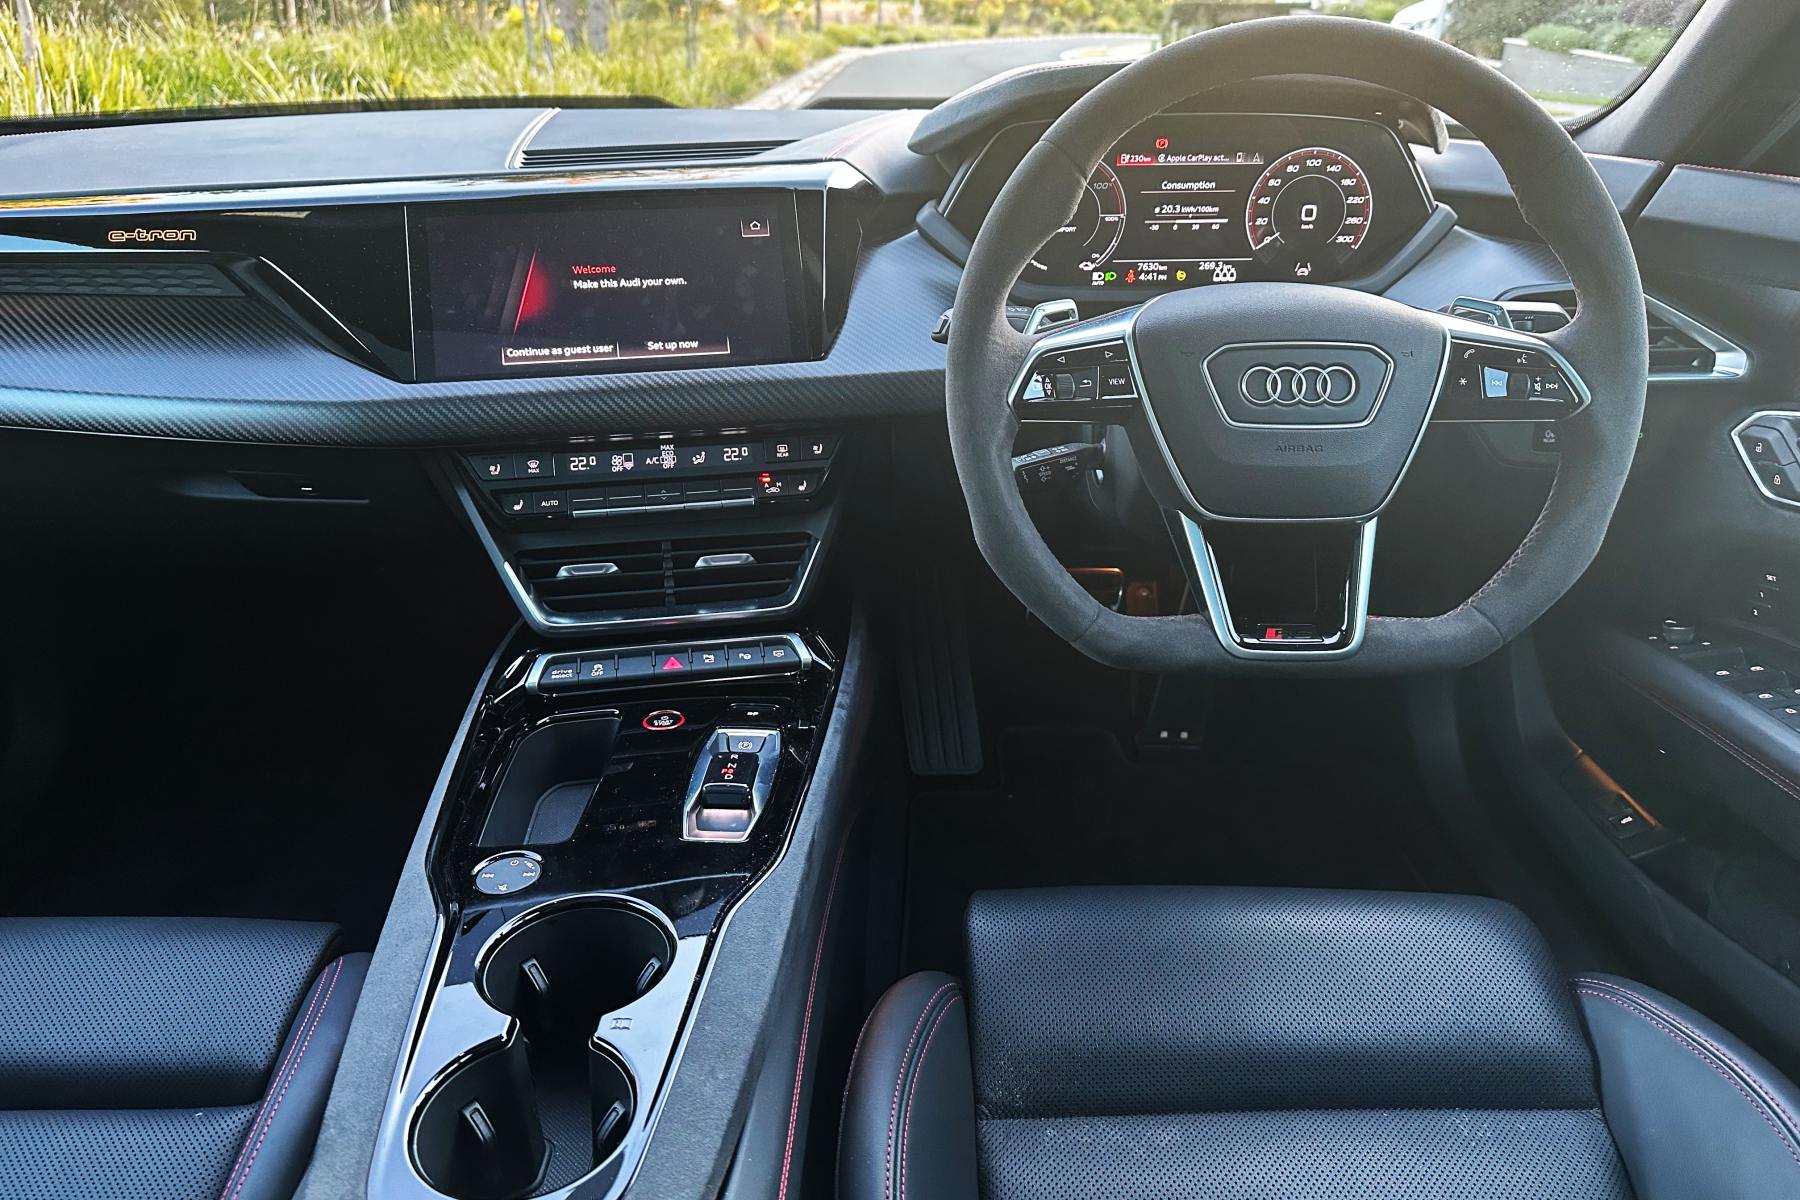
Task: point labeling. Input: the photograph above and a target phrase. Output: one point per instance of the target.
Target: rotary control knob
(504, 874)
(1679, 633)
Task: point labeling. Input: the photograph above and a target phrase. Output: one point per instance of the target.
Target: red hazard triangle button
(675, 662)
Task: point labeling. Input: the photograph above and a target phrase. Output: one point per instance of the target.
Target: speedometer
(1089, 237)
(1308, 213)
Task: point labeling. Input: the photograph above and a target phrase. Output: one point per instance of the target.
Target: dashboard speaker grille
(671, 577)
(90, 278)
(615, 156)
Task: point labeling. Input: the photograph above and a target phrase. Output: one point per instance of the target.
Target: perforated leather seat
(150, 1058)
(1192, 1043)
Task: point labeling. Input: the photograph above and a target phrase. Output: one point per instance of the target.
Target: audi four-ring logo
(1311, 385)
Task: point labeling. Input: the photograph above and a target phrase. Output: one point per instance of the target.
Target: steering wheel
(1280, 418)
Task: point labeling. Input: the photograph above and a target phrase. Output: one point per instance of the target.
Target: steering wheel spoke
(1493, 373)
(1292, 590)
(1083, 372)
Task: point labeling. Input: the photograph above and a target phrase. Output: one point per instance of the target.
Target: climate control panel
(616, 478)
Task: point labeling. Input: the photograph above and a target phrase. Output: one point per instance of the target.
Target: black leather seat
(1192, 1043)
(152, 1058)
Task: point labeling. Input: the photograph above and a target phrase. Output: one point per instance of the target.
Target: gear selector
(730, 784)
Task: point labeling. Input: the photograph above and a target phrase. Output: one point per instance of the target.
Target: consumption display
(615, 283)
(1188, 200)
(1167, 210)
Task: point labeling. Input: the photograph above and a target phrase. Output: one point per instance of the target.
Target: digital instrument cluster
(1186, 200)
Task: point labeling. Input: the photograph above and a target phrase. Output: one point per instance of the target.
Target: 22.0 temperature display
(1308, 212)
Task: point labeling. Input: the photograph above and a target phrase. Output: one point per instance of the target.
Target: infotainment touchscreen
(607, 283)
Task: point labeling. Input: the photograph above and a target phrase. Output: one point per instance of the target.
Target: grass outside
(181, 62)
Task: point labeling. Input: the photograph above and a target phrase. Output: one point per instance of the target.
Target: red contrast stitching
(1776, 175)
(269, 1094)
(861, 132)
(1687, 1043)
(812, 986)
(906, 1130)
(1646, 1002)
(270, 1123)
(887, 1168)
(844, 1105)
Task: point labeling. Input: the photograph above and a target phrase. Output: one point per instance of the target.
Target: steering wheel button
(1064, 386)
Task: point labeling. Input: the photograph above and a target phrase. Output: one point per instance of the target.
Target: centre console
(613, 802)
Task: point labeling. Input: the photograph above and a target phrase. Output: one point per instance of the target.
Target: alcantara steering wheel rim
(1602, 353)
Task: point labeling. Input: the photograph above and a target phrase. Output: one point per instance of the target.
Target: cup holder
(554, 1102)
(561, 971)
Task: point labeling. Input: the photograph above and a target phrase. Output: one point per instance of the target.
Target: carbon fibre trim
(234, 370)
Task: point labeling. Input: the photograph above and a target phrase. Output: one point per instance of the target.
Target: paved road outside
(900, 75)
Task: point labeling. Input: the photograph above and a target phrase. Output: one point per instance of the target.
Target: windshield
(89, 57)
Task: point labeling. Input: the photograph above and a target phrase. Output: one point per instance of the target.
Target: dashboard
(410, 279)
(1191, 200)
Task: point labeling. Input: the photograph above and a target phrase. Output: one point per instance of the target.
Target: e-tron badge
(1282, 384)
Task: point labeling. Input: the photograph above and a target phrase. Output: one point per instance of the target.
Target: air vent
(678, 577)
(638, 156)
(1674, 351)
(1680, 347)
